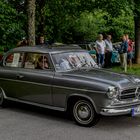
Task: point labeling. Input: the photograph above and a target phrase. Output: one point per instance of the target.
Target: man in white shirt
(100, 50)
(108, 51)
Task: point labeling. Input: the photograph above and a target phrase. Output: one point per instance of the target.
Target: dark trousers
(108, 56)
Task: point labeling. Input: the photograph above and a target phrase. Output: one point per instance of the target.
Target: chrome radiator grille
(130, 94)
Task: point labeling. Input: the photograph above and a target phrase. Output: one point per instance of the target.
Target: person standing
(23, 42)
(108, 51)
(42, 41)
(123, 53)
(129, 51)
(100, 50)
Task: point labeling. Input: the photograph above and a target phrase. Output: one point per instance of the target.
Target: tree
(115, 7)
(137, 30)
(89, 24)
(71, 20)
(31, 21)
(10, 25)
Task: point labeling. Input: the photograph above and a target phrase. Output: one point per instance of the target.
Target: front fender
(76, 95)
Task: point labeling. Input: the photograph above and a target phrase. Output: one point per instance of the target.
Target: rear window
(14, 60)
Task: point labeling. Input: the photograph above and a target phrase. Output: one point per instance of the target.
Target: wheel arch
(75, 97)
(1, 90)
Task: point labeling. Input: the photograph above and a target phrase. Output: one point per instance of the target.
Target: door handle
(19, 76)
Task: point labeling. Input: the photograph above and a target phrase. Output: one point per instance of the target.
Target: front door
(26, 81)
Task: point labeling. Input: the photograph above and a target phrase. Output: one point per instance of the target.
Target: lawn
(134, 70)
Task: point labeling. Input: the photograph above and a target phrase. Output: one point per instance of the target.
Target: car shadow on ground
(37, 111)
(115, 122)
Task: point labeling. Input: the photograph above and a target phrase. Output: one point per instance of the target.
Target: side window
(14, 60)
(29, 62)
(36, 61)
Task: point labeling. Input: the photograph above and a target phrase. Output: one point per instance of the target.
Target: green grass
(134, 70)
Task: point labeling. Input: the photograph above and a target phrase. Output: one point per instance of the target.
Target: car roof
(48, 49)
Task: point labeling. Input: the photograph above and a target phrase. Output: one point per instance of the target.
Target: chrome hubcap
(83, 112)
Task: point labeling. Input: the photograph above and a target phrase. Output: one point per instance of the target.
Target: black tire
(84, 113)
(2, 100)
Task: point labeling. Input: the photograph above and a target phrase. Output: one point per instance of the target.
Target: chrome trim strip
(36, 104)
(70, 88)
(25, 82)
(86, 90)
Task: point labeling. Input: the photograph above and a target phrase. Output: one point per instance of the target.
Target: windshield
(72, 60)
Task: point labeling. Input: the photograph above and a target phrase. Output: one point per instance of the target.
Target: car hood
(103, 76)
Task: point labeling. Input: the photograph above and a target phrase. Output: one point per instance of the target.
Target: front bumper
(120, 111)
(115, 112)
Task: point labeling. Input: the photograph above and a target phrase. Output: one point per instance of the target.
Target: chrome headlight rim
(112, 92)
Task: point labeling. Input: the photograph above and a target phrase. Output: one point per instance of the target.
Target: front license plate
(136, 111)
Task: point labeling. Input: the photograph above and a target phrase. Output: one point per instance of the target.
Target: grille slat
(128, 94)
(129, 91)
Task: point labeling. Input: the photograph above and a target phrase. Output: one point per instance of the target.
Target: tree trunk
(31, 21)
(137, 39)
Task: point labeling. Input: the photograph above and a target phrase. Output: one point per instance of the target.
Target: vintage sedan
(66, 78)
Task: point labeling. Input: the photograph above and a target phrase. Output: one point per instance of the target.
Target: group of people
(25, 41)
(104, 49)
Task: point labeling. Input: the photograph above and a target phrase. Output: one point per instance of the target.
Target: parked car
(66, 78)
(90, 48)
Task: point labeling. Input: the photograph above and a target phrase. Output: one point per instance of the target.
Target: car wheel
(84, 113)
(2, 101)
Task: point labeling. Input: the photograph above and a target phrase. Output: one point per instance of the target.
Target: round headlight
(112, 92)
